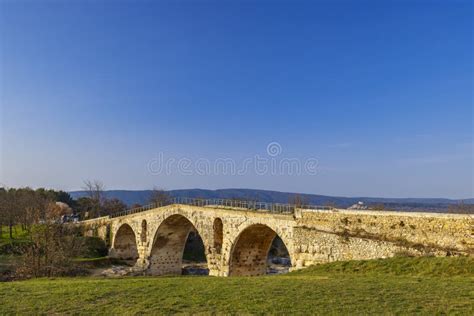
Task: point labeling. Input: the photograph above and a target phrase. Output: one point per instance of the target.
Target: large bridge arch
(124, 244)
(168, 243)
(249, 253)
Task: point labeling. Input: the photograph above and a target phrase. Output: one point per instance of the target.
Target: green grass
(19, 235)
(398, 266)
(97, 259)
(6, 262)
(391, 286)
(9, 247)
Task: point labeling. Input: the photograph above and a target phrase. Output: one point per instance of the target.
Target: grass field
(19, 235)
(390, 286)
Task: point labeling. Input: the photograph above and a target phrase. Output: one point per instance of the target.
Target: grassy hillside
(400, 285)
(398, 266)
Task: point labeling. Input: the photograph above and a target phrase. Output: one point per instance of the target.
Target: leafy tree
(85, 207)
(65, 198)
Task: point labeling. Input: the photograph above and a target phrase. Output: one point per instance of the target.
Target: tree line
(37, 238)
(45, 246)
(22, 207)
(95, 203)
(25, 206)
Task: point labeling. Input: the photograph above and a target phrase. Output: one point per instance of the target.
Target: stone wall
(325, 236)
(97, 227)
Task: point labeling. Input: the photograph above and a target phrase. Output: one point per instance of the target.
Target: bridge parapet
(226, 203)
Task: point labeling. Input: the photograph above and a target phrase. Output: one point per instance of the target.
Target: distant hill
(415, 204)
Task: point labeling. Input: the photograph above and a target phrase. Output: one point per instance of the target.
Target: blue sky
(380, 93)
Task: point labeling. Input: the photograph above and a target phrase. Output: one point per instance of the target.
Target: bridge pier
(213, 262)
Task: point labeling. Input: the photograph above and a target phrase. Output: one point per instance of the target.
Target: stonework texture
(237, 241)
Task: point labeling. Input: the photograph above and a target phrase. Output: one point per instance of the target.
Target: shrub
(94, 247)
(50, 251)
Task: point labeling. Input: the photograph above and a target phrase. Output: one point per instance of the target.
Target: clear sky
(379, 92)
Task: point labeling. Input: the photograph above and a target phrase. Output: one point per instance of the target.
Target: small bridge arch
(168, 244)
(124, 245)
(249, 254)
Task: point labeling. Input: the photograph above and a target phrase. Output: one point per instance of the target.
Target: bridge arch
(125, 243)
(166, 253)
(250, 250)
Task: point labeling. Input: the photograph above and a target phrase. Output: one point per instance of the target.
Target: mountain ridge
(131, 197)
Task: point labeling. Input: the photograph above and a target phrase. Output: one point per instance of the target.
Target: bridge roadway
(237, 235)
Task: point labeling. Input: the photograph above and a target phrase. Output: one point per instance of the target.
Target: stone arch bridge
(237, 235)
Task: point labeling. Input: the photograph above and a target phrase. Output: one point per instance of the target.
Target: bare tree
(11, 209)
(95, 191)
(298, 200)
(114, 205)
(3, 209)
(52, 245)
(159, 197)
(14, 205)
(378, 207)
(24, 206)
(330, 204)
(461, 208)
